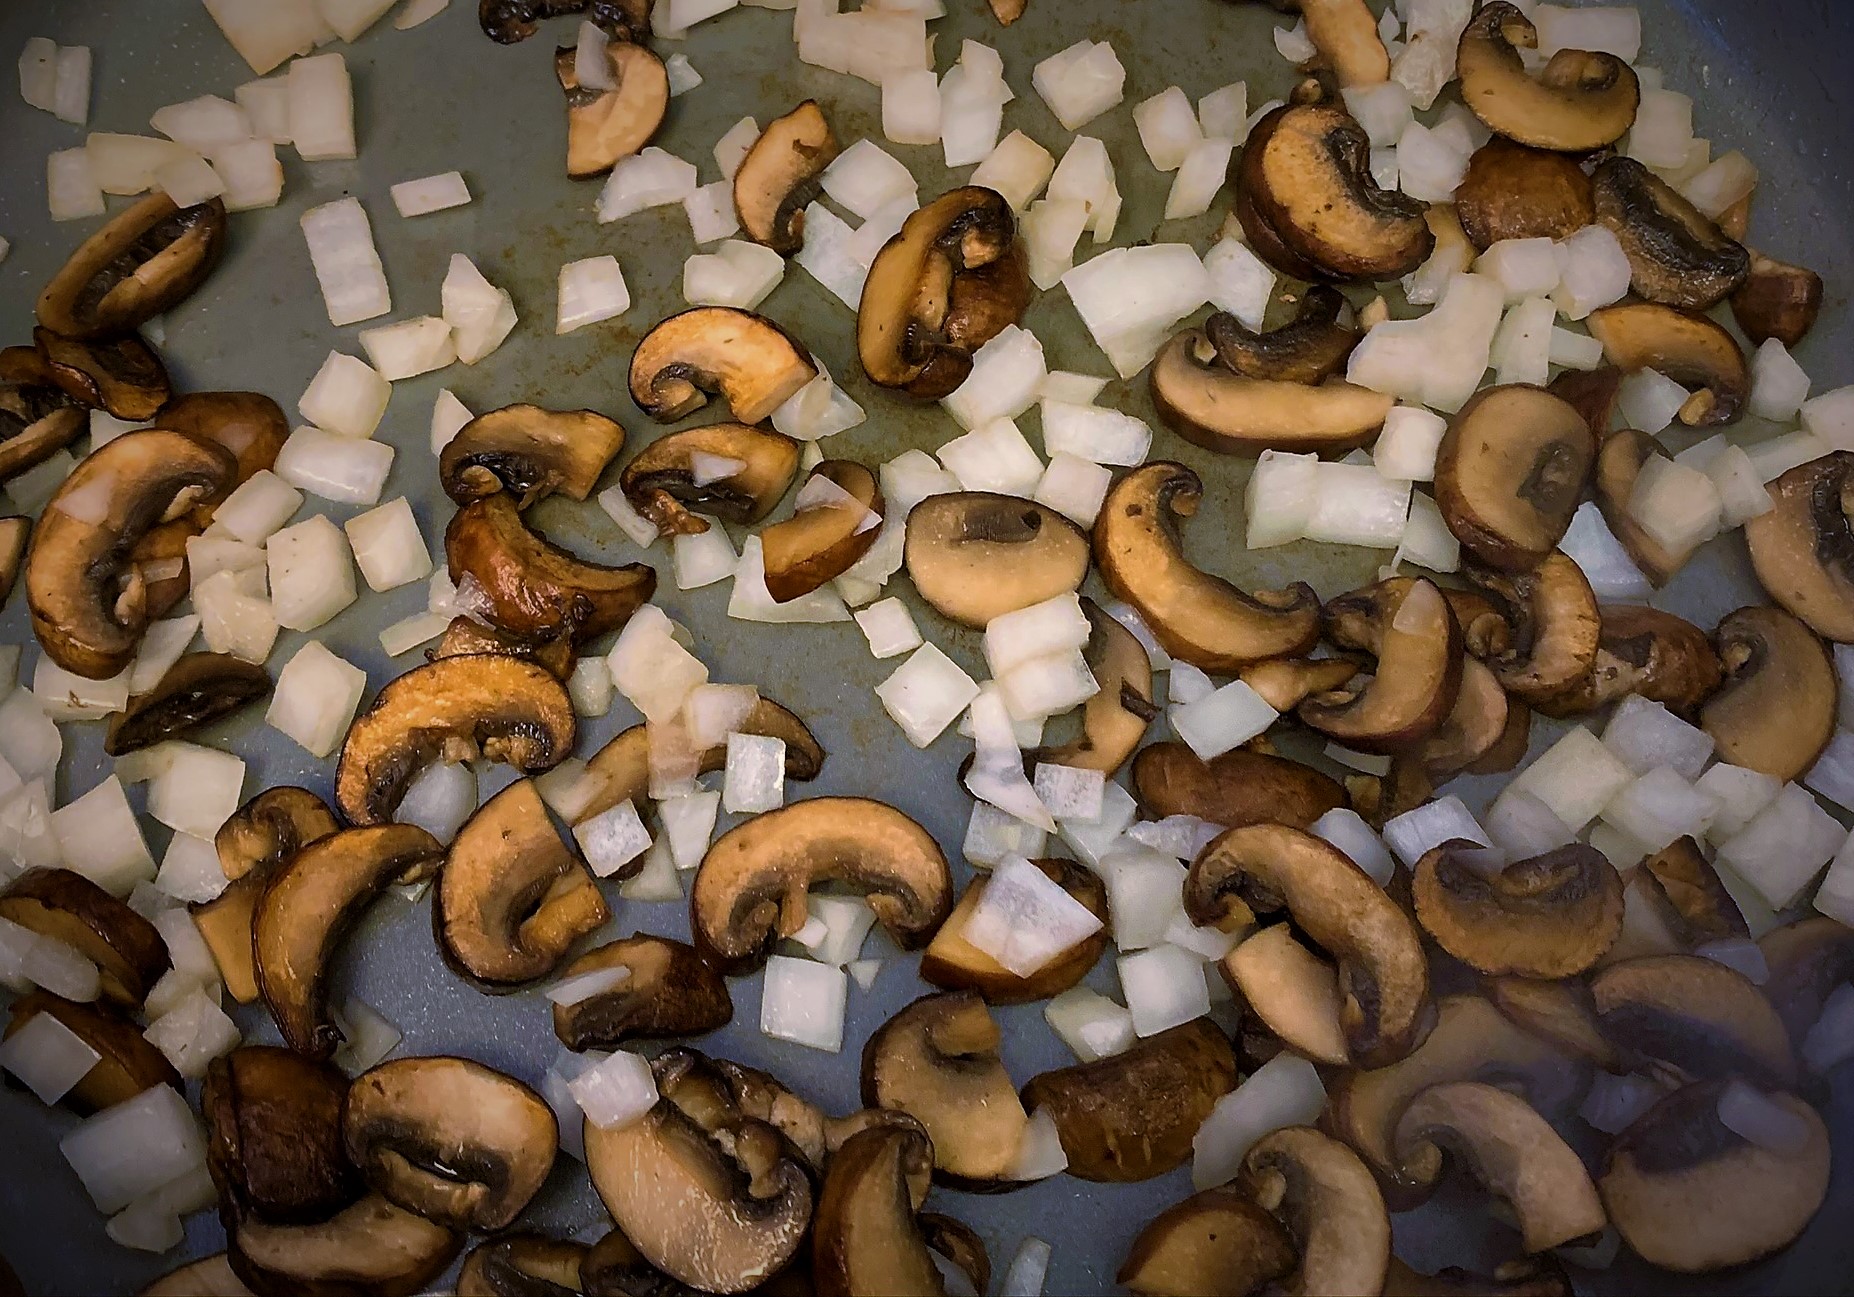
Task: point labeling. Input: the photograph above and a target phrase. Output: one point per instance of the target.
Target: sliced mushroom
(148, 259)
(467, 638)
(1285, 683)
(510, 710)
(1686, 880)
(954, 962)
(751, 887)
(210, 1276)
(1691, 349)
(1528, 1277)
(943, 287)
(1132, 1115)
(1244, 414)
(512, 897)
(1580, 102)
(1593, 393)
(1311, 349)
(1563, 1013)
(1330, 1205)
(1480, 721)
(752, 363)
(158, 563)
(1293, 991)
(660, 482)
(1677, 254)
(613, 1267)
(1512, 1151)
(1115, 719)
(1555, 627)
(89, 607)
(273, 1135)
(126, 1063)
(1549, 916)
(123, 376)
(198, 689)
(127, 949)
(974, 556)
(372, 1247)
(308, 911)
(604, 126)
(1346, 35)
(1803, 549)
(780, 176)
(249, 424)
(868, 1237)
(522, 1265)
(1808, 960)
(1198, 618)
(666, 990)
(1777, 300)
(14, 535)
(1691, 1195)
(1417, 677)
(1776, 711)
(1515, 192)
(529, 452)
(1619, 463)
(1510, 473)
(1647, 652)
(1236, 788)
(822, 542)
(510, 21)
(1693, 1018)
(270, 828)
(1213, 1244)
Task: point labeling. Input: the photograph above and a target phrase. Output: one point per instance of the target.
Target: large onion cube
(1089, 1023)
(347, 470)
(439, 799)
(714, 712)
(322, 108)
(479, 315)
(1740, 794)
(190, 871)
(590, 290)
(1577, 776)
(448, 417)
(1523, 827)
(847, 921)
(66, 696)
(71, 186)
(1284, 1091)
(1024, 920)
(994, 457)
(1165, 988)
(1145, 890)
(1070, 793)
(1406, 449)
(688, 825)
(29, 740)
(612, 839)
(803, 1002)
(347, 396)
(1605, 562)
(267, 107)
(232, 621)
(1200, 178)
(1053, 626)
(657, 880)
(1091, 433)
(198, 790)
(257, 509)
(1346, 829)
(1784, 846)
(1168, 128)
(864, 178)
(311, 574)
(1240, 282)
(1007, 376)
(188, 181)
(1644, 735)
(710, 209)
(755, 779)
(1835, 897)
(703, 558)
(926, 694)
(1017, 170)
(267, 32)
(651, 178)
(652, 670)
(1659, 807)
(1074, 487)
(251, 174)
(1080, 83)
(1282, 494)
(1354, 504)
(193, 1033)
(910, 107)
(993, 834)
(99, 838)
(590, 687)
(387, 545)
(1414, 833)
(134, 1148)
(616, 1091)
(316, 697)
(1226, 719)
(1048, 686)
(889, 628)
(47, 1057)
(410, 347)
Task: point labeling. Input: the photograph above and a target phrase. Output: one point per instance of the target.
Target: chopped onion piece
(649, 667)
(431, 194)
(1089, 1023)
(651, 178)
(574, 990)
(99, 838)
(1223, 114)
(135, 1147)
(410, 347)
(1145, 890)
(803, 1001)
(439, 799)
(1830, 1041)
(1577, 776)
(1354, 504)
(1412, 834)
(1029, 1267)
(755, 779)
(1721, 184)
(204, 124)
(1168, 128)
(750, 600)
(1284, 1091)
(71, 186)
(322, 108)
(910, 106)
(448, 417)
(1070, 792)
(267, 107)
(407, 634)
(71, 85)
(198, 789)
(192, 1034)
(1740, 794)
(1644, 734)
(926, 694)
(1593, 272)
(612, 839)
(47, 1057)
(232, 621)
(732, 148)
(388, 548)
(616, 1091)
(1018, 169)
(1677, 506)
(479, 314)
(347, 266)
(590, 290)
(1784, 846)
(38, 73)
(311, 573)
(1199, 179)
(1165, 988)
(1281, 497)
(1224, 720)
(1650, 401)
(1605, 562)
(1346, 829)
(1080, 83)
(352, 18)
(737, 273)
(1095, 841)
(688, 825)
(1129, 296)
(1406, 449)
(826, 255)
(1753, 1116)
(316, 698)
(1614, 1102)
(993, 835)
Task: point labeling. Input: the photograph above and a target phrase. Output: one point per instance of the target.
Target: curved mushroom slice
(273, 1135)
(1691, 349)
(1619, 463)
(530, 453)
(126, 1065)
(1690, 1195)
(1808, 960)
(123, 376)
(1330, 1205)
(466, 638)
(1777, 300)
(1701, 907)
(522, 1265)
(1647, 652)
(1213, 1244)
(1417, 676)
(1803, 549)
(974, 556)
(937, 1060)
(270, 828)
(1580, 102)
(1263, 868)
(149, 258)
(1115, 719)
(249, 424)
(868, 1238)
(1234, 789)
(37, 420)
(943, 287)
(510, 710)
(198, 689)
(1346, 37)
(14, 535)
(1132, 1115)
(1293, 991)
(127, 949)
(1776, 711)
(89, 607)
(457, 1142)
(308, 910)
(1482, 719)
(1694, 1018)
(660, 482)
(780, 175)
(1554, 623)
(1241, 414)
(1515, 192)
(1198, 618)
(752, 363)
(741, 1190)
(372, 1247)
(1510, 473)
(1563, 1013)
(1678, 255)
(954, 962)
(663, 988)
(1285, 683)
(959, 1243)
(604, 126)
(210, 1276)
(1512, 1151)
(1550, 916)
(1527, 1277)
(512, 897)
(158, 563)
(826, 537)
(508, 22)
(751, 886)
(535, 589)
(1311, 349)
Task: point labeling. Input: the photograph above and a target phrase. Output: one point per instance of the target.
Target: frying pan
(1769, 76)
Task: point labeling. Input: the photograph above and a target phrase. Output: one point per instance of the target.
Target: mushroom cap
(126, 1065)
(128, 950)
(1580, 102)
(604, 126)
(1678, 255)
(1240, 787)
(1512, 191)
(1692, 1017)
(1777, 300)
(821, 543)
(1510, 472)
(752, 363)
(974, 556)
(1329, 1203)
(669, 991)
(1647, 652)
(372, 1247)
(1803, 549)
(1416, 680)
(867, 1237)
(1114, 720)
(1692, 349)
(529, 452)
(780, 175)
(955, 963)
(1549, 916)
(273, 1135)
(660, 480)
(1776, 711)
(148, 258)
(1236, 413)
(197, 690)
(1215, 1243)
(123, 376)
(270, 828)
(1554, 624)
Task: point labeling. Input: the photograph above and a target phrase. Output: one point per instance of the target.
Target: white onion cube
(1168, 128)
(803, 1001)
(1644, 734)
(926, 694)
(387, 545)
(889, 628)
(192, 1034)
(755, 779)
(612, 839)
(322, 108)
(1225, 720)
(347, 266)
(1080, 83)
(198, 790)
(134, 1148)
(1165, 988)
(1284, 1091)
(688, 825)
(616, 1091)
(993, 834)
(99, 838)
(1414, 833)
(47, 1057)
(311, 573)
(590, 290)
(1577, 776)
(347, 396)
(347, 470)
(1784, 846)
(430, 194)
(316, 698)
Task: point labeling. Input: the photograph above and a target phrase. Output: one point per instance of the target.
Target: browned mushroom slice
(826, 537)
(14, 534)
(1241, 414)
(1285, 683)
(198, 689)
(1236, 788)
(1325, 1197)
(1808, 960)
(372, 1247)
(1198, 618)
(249, 424)
(1482, 718)
(1678, 255)
(524, 1265)
(210, 1276)
(1311, 349)
(1647, 652)
(159, 564)
(661, 482)
(1526, 1277)
(273, 1135)
(508, 22)
(1213, 1244)
(1776, 711)
(128, 951)
(974, 556)
(1115, 719)
(1417, 677)
(867, 1237)
(1132, 1115)
(1777, 300)
(1619, 463)
(1692, 1018)
(1291, 991)
(952, 961)
(604, 126)
(662, 988)
(467, 638)
(1515, 192)
(530, 453)
(1555, 627)
(1510, 473)
(1803, 549)
(126, 1063)
(1691, 349)
(123, 376)
(752, 363)
(1551, 916)
(1563, 1013)
(270, 828)
(1579, 102)
(780, 175)
(149, 258)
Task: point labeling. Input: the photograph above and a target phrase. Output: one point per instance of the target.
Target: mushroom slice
(943, 287)
(604, 126)
(959, 1243)
(1293, 991)
(1619, 463)
(148, 259)
(937, 1060)
(37, 420)
(513, 897)
(1691, 1195)
(1693, 1018)
(459, 1143)
(270, 828)
(1777, 300)
(372, 1247)
(1245, 414)
(1330, 1205)
(826, 537)
(273, 1135)
(1803, 549)
(1647, 652)
(1698, 900)
(1550, 916)
(1304, 178)
(123, 376)
(1285, 683)
(1563, 1013)
(308, 911)
(1237, 788)
(1480, 721)
(1678, 255)
(1310, 350)
(1691, 349)
(88, 607)
(1347, 37)
(198, 689)
(1115, 719)
(1132, 1115)
(1198, 618)
(530, 453)
(1515, 192)
(1592, 393)
(210, 1276)
(158, 563)
(664, 989)
(1555, 627)
(868, 1238)
(508, 22)
(751, 886)
(1776, 711)
(249, 424)
(660, 482)
(466, 638)
(522, 1265)
(1213, 1244)
(1528, 1277)
(1512, 1151)
(954, 962)
(127, 949)
(613, 1267)
(974, 556)
(1579, 102)
(1510, 473)
(779, 176)
(14, 535)
(1808, 960)
(126, 1065)
(1417, 677)
(748, 360)
(510, 710)
(741, 1191)
(535, 589)
(1263, 868)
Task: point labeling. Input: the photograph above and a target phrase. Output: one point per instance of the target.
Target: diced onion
(803, 1001)
(431, 193)
(316, 697)
(135, 1147)
(1285, 1091)
(347, 266)
(322, 108)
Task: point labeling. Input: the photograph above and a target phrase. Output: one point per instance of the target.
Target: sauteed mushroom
(149, 258)
(530, 453)
(779, 177)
